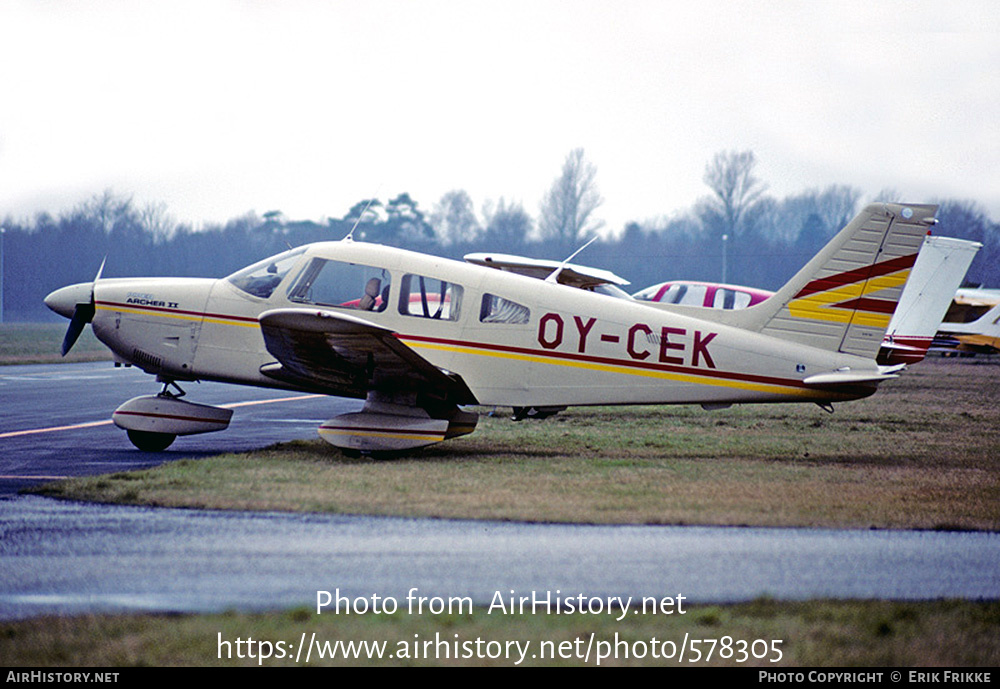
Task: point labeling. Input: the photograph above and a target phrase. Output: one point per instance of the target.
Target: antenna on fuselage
(554, 277)
(361, 215)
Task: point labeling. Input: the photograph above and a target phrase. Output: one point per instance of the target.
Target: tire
(151, 442)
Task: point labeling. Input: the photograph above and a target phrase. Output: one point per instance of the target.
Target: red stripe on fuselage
(666, 368)
(161, 309)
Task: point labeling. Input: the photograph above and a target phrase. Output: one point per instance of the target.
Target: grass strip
(39, 343)
(814, 633)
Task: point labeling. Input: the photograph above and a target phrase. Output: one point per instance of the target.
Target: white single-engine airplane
(418, 337)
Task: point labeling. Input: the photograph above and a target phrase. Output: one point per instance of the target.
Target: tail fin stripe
(839, 304)
(869, 305)
(857, 275)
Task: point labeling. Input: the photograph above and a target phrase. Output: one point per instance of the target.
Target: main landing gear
(153, 422)
(148, 441)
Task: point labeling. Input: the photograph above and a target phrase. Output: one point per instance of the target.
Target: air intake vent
(147, 362)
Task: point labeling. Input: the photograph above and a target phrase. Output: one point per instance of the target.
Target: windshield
(262, 278)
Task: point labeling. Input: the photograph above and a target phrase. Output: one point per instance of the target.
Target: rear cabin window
(496, 309)
(344, 285)
(730, 299)
(688, 295)
(427, 297)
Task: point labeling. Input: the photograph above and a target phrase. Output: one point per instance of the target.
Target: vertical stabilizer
(936, 276)
(843, 299)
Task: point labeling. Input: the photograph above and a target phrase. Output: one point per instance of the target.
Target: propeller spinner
(75, 302)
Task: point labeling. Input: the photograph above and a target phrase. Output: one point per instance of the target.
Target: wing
(348, 356)
(583, 277)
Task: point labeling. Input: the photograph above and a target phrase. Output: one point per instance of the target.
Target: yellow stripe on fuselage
(624, 369)
(618, 369)
(201, 318)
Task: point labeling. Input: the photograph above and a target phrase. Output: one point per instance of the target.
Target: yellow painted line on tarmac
(278, 399)
(53, 429)
(39, 478)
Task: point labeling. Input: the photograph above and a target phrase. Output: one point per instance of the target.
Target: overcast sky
(220, 108)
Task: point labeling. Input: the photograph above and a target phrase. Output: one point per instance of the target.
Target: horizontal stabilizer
(854, 377)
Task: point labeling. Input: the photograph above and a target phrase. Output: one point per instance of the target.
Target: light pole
(3, 231)
(725, 240)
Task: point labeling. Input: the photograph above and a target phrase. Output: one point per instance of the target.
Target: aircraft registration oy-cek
(419, 337)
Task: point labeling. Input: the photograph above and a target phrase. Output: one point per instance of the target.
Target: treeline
(737, 233)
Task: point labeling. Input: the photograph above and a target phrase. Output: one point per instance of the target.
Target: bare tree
(108, 210)
(737, 190)
(156, 221)
(887, 195)
(454, 220)
(507, 224)
(838, 204)
(967, 220)
(567, 210)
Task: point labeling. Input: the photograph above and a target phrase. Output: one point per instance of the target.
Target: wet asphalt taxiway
(56, 421)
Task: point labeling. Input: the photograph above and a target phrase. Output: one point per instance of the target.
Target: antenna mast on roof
(361, 215)
(554, 277)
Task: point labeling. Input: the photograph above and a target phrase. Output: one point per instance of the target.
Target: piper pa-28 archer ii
(419, 337)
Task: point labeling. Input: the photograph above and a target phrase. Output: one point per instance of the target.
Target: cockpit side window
(427, 297)
(261, 279)
(344, 285)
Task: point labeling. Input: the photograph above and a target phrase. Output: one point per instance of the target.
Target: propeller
(83, 313)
